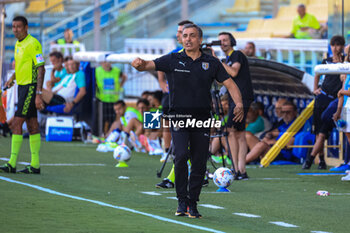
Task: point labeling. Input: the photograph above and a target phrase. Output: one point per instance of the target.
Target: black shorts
(165, 103)
(239, 126)
(26, 101)
(321, 104)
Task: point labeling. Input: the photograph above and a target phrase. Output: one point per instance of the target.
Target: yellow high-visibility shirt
(307, 21)
(28, 57)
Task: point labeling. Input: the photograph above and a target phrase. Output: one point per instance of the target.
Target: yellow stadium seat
(319, 11)
(287, 12)
(255, 25)
(239, 6)
(318, 2)
(245, 6)
(59, 8)
(253, 6)
(297, 2)
(282, 28)
(36, 6)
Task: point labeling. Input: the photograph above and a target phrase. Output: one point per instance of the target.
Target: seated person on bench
(65, 91)
(289, 114)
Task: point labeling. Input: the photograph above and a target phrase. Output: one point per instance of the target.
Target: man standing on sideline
(190, 76)
(109, 83)
(237, 67)
(29, 75)
(170, 180)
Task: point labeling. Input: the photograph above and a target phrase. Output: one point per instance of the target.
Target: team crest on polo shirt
(205, 65)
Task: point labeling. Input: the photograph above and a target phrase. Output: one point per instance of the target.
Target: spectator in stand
(68, 38)
(109, 82)
(289, 112)
(58, 72)
(305, 25)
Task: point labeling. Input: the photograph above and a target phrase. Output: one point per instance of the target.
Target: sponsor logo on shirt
(185, 71)
(205, 65)
(39, 58)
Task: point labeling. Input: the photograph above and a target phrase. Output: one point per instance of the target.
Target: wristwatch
(39, 92)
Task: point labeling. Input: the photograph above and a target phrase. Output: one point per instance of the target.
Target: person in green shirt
(109, 83)
(29, 75)
(305, 25)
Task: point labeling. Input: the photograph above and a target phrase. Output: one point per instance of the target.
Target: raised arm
(233, 69)
(143, 65)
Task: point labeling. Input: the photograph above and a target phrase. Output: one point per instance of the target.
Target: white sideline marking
(173, 198)
(320, 232)
(123, 177)
(275, 178)
(151, 193)
(340, 194)
(109, 205)
(247, 215)
(212, 206)
(60, 164)
(283, 224)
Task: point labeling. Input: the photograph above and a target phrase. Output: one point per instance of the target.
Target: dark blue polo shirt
(190, 81)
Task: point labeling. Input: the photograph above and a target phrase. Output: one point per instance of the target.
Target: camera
(205, 46)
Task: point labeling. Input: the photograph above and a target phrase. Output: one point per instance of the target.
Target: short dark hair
(290, 103)
(232, 39)
(158, 95)
(183, 22)
(121, 102)
(251, 43)
(56, 54)
(200, 32)
(338, 40)
(146, 93)
(22, 19)
(301, 5)
(144, 101)
(68, 58)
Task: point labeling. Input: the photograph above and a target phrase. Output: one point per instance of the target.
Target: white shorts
(345, 115)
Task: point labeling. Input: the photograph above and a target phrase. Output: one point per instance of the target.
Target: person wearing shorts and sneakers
(190, 76)
(29, 75)
(343, 110)
(237, 67)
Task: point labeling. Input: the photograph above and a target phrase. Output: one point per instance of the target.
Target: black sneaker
(7, 168)
(193, 212)
(30, 170)
(236, 175)
(165, 184)
(243, 176)
(322, 165)
(308, 162)
(182, 208)
(205, 182)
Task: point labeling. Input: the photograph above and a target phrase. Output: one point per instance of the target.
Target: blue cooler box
(59, 129)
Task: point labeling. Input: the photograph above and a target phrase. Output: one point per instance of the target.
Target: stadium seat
(59, 8)
(239, 6)
(297, 2)
(244, 6)
(36, 6)
(287, 12)
(254, 30)
(319, 11)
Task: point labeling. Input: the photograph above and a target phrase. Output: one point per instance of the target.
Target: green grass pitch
(286, 197)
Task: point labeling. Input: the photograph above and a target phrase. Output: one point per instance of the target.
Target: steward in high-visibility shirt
(303, 24)
(109, 83)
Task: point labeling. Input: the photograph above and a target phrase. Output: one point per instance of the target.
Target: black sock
(166, 150)
(321, 157)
